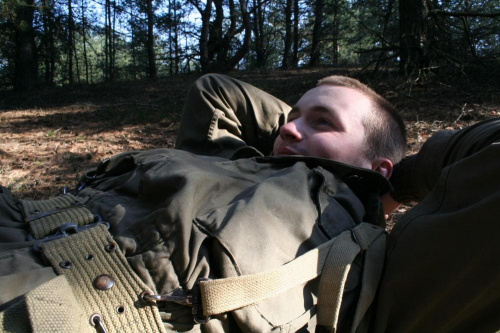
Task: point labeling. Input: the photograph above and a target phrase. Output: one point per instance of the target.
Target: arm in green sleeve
(415, 176)
(222, 114)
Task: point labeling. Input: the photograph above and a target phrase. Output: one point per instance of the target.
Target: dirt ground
(48, 138)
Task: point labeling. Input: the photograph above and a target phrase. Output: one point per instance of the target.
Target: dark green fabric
(179, 216)
(222, 114)
(442, 268)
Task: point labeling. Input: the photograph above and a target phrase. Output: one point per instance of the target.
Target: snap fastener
(104, 282)
(110, 247)
(66, 264)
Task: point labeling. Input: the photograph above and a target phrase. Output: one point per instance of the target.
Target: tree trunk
(46, 41)
(84, 35)
(288, 34)
(26, 62)
(150, 41)
(113, 41)
(335, 51)
(109, 42)
(317, 33)
(77, 64)
(170, 41)
(245, 46)
(204, 35)
(258, 33)
(413, 35)
(52, 47)
(176, 39)
(106, 40)
(296, 14)
(215, 35)
(387, 17)
(134, 56)
(70, 42)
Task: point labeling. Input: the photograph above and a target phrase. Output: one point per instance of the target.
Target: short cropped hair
(385, 129)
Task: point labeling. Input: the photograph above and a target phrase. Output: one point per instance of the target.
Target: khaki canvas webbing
(85, 256)
(223, 295)
(45, 216)
(15, 319)
(333, 278)
(53, 307)
(372, 272)
(49, 307)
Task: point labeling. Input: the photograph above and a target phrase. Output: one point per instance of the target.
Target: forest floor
(50, 137)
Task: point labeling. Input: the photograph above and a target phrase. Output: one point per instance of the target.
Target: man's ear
(383, 166)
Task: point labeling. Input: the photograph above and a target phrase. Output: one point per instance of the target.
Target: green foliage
(354, 33)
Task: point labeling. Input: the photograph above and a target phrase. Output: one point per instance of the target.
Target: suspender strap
(46, 216)
(333, 279)
(332, 260)
(365, 238)
(103, 283)
(372, 272)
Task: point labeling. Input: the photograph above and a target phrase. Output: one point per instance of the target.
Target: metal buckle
(67, 229)
(192, 298)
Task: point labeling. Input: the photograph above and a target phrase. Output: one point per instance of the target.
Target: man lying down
(255, 187)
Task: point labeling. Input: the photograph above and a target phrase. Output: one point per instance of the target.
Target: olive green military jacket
(178, 217)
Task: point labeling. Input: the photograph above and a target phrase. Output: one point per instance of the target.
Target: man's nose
(291, 131)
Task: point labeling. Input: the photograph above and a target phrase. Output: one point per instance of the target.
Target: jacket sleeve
(415, 176)
(222, 114)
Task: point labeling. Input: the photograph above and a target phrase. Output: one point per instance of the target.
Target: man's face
(327, 122)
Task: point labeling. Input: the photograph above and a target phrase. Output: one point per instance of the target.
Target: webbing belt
(102, 280)
(46, 216)
(105, 287)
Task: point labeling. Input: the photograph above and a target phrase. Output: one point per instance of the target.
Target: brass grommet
(120, 309)
(104, 282)
(66, 264)
(111, 247)
(89, 257)
(34, 211)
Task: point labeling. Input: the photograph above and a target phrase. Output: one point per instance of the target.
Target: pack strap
(46, 216)
(372, 273)
(103, 283)
(332, 260)
(368, 239)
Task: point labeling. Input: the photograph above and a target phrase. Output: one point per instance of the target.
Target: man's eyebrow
(332, 114)
(327, 110)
